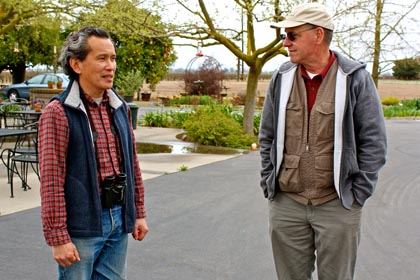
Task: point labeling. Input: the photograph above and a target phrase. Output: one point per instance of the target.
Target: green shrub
(10, 107)
(193, 100)
(130, 83)
(183, 168)
(206, 100)
(210, 125)
(397, 111)
(170, 119)
(407, 69)
(243, 141)
(405, 108)
(156, 119)
(257, 121)
(239, 117)
(216, 125)
(411, 103)
(390, 100)
(178, 118)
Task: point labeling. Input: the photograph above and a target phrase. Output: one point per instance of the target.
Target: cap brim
(286, 24)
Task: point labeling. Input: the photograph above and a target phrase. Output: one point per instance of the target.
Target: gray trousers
(300, 234)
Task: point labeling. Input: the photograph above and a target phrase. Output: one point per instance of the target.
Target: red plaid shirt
(53, 142)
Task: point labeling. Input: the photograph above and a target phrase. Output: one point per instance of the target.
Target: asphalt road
(390, 246)
(210, 222)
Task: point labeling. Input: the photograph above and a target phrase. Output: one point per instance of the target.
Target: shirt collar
(91, 101)
(323, 72)
(73, 99)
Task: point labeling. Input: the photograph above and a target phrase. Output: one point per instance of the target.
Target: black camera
(113, 190)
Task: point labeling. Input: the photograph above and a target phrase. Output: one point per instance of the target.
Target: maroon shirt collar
(324, 71)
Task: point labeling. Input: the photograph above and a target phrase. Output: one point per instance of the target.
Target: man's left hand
(140, 229)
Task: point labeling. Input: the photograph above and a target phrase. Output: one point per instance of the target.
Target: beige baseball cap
(312, 13)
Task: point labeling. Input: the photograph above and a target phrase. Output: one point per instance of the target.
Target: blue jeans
(102, 257)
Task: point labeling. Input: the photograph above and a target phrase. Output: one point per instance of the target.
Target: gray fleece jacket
(359, 131)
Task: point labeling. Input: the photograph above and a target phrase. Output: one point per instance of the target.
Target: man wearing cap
(322, 143)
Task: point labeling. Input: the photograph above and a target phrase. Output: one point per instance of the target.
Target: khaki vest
(306, 173)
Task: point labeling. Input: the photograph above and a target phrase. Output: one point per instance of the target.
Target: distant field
(400, 89)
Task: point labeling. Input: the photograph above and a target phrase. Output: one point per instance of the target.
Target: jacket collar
(73, 96)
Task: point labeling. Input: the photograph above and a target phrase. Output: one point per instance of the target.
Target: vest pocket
(289, 174)
(324, 166)
(294, 120)
(325, 121)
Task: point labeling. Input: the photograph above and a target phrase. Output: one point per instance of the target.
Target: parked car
(39, 81)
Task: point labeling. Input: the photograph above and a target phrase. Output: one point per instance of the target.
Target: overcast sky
(230, 18)
(224, 56)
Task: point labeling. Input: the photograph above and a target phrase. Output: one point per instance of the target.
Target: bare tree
(376, 32)
(366, 31)
(205, 22)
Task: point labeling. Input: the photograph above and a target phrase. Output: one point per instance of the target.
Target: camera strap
(95, 135)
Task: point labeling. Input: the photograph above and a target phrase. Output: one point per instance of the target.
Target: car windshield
(63, 77)
(52, 78)
(45, 78)
(36, 80)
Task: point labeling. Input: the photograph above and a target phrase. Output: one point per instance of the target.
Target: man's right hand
(65, 254)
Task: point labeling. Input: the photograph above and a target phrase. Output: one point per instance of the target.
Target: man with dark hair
(92, 193)
(322, 143)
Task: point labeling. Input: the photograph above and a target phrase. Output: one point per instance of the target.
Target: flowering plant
(38, 102)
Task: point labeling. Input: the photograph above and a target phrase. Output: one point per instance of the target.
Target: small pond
(185, 148)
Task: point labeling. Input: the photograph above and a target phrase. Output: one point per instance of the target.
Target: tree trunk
(18, 73)
(250, 99)
(377, 47)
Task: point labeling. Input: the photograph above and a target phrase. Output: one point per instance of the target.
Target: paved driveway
(391, 228)
(210, 222)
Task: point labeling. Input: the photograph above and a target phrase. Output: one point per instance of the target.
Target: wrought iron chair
(12, 120)
(24, 155)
